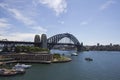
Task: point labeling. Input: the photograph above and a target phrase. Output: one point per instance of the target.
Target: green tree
(57, 56)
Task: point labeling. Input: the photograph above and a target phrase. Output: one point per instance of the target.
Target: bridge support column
(79, 47)
(44, 41)
(37, 41)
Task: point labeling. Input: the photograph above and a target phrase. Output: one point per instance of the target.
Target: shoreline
(63, 59)
(34, 58)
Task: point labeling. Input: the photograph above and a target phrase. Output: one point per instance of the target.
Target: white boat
(22, 66)
(74, 54)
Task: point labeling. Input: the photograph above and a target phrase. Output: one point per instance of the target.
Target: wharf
(33, 61)
(7, 62)
(31, 58)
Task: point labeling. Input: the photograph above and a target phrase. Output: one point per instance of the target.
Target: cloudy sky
(91, 21)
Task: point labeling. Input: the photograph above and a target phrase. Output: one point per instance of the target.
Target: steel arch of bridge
(50, 41)
(56, 38)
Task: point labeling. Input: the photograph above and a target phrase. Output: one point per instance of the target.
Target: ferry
(22, 66)
(74, 54)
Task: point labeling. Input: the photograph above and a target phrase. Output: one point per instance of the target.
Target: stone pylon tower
(37, 41)
(43, 41)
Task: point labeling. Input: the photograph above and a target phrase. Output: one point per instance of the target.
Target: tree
(56, 55)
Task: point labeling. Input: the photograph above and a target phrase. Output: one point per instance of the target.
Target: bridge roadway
(25, 42)
(16, 42)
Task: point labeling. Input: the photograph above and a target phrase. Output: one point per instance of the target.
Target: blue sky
(91, 21)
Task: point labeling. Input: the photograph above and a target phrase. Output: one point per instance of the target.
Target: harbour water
(105, 66)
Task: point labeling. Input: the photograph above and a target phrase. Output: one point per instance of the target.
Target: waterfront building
(33, 57)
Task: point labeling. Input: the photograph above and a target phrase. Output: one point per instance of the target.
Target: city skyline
(90, 21)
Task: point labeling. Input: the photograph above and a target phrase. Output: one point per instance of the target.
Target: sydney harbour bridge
(45, 42)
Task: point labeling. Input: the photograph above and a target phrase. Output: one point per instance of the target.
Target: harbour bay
(105, 66)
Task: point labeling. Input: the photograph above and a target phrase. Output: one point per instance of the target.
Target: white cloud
(3, 20)
(18, 15)
(3, 5)
(107, 4)
(84, 23)
(19, 36)
(39, 28)
(4, 26)
(24, 19)
(4, 23)
(59, 6)
(61, 22)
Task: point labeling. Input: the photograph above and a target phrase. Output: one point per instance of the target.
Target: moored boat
(7, 72)
(88, 59)
(19, 70)
(74, 54)
(22, 66)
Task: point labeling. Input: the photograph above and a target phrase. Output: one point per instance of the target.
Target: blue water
(105, 66)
